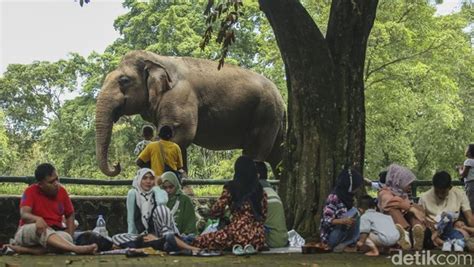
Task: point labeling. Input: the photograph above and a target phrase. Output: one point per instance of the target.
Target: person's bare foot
(87, 249)
(372, 253)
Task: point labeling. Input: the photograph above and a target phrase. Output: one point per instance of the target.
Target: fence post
(413, 189)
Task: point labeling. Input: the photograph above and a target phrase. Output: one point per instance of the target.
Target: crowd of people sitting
(442, 217)
(159, 215)
(250, 212)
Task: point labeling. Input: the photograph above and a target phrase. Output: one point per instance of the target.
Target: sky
(50, 29)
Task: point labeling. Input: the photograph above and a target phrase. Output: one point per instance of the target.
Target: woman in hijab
(339, 223)
(181, 206)
(393, 200)
(142, 200)
(248, 206)
(148, 218)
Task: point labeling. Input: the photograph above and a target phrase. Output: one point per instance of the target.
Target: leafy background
(418, 78)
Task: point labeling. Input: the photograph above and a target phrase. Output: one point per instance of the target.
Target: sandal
(207, 253)
(238, 250)
(7, 251)
(250, 250)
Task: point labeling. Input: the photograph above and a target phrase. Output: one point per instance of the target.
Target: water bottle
(100, 226)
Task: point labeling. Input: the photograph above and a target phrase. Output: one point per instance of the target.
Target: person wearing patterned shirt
(339, 226)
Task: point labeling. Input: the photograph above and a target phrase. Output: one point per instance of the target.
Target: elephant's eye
(124, 80)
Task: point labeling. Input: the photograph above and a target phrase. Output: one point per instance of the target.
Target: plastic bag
(295, 239)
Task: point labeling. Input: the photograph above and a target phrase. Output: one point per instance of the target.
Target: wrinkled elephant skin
(222, 109)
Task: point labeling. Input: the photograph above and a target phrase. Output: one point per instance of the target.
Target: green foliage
(83, 190)
(207, 164)
(91, 190)
(223, 15)
(207, 190)
(319, 11)
(418, 81)
(8, 154)
(31, 96)
(418, 75)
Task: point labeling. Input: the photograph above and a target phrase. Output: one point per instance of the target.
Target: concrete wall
(87, 210)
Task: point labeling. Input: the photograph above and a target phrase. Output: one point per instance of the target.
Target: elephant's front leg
(184, 153)
(184, 137)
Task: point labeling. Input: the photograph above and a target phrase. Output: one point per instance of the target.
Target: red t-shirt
(50, 209)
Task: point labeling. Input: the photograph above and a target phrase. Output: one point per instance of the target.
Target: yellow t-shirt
(172, 156)
(454, 202)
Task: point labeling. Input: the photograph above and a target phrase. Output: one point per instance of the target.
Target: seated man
(276, 233)
(442, 197)
(42, 208)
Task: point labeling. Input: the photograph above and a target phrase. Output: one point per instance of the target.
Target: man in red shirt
(42, 208)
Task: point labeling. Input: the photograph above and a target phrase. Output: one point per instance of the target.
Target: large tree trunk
(326, 127)
(349, 27)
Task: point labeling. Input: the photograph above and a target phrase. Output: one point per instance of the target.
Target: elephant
(223, 109)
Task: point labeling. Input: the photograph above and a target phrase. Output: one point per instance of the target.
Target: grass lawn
(330, 260)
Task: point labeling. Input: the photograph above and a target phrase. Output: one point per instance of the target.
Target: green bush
(94, 190)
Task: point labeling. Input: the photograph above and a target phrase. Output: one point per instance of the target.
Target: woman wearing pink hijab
(393, 200)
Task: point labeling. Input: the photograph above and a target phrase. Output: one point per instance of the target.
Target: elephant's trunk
(104, 121)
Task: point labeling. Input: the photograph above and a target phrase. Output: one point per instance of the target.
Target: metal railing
(87, 181)
(428, 183)
(110, 182)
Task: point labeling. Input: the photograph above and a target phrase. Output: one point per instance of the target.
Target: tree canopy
(418, 88)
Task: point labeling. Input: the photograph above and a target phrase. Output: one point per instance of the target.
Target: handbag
(166, 167)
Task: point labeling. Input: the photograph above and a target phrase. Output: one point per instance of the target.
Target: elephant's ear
(159, 73)
(158, 80)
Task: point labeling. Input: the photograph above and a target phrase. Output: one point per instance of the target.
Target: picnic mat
(283, 250)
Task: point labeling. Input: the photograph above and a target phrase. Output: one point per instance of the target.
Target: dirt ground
(331, 259)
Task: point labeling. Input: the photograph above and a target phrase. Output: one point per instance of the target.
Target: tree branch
(385, 78)
(369, 61)
(431, 47)
(405, 14)
(424, 161)
(377, 81)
